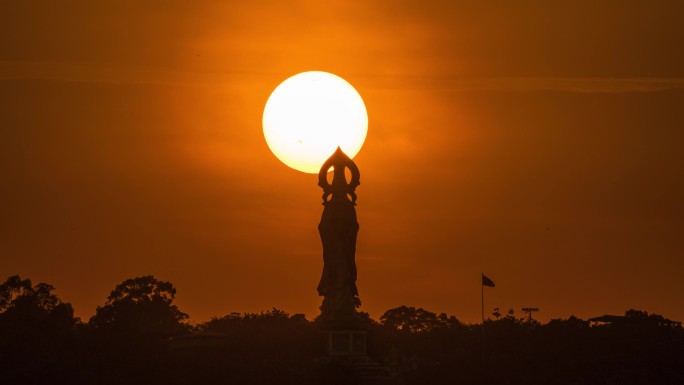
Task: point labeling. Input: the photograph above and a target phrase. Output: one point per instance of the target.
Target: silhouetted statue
(338, 229)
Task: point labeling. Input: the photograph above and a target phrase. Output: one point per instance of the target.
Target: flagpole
(483, 324)
(485, 282)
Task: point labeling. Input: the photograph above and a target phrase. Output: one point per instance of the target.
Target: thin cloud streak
(77, 72)
(71, 72)
(532, 84)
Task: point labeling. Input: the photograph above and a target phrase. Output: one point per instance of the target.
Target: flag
(487, 282)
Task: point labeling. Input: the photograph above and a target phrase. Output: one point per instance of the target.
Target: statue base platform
(344, 337)
(346, 342)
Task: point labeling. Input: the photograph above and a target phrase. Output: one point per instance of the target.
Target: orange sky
(540, 144)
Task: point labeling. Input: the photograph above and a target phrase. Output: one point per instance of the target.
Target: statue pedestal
(346, 342)
(346, 345)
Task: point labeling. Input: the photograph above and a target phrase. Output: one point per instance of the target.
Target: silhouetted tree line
(131, 339)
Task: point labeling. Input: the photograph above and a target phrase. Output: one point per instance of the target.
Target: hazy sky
(538, 142)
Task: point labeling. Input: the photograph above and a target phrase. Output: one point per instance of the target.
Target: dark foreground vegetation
(127, 342)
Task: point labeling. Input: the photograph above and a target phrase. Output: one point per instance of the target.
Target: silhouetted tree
(412, 320)
(127, 339)
(36, 330)
(255, 348)
(141, 305)
(272, 335)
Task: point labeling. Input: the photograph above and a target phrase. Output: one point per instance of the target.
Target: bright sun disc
(309, 115)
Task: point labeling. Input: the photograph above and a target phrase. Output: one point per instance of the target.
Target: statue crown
(339, 189)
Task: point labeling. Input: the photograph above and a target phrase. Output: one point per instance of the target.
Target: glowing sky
(537, 142)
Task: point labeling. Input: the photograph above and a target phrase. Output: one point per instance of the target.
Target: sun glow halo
(309, 115)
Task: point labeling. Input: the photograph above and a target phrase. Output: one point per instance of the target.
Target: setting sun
(309, 115)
